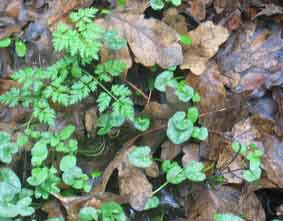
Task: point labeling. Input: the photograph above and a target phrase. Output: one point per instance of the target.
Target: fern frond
(11, 98)
(103, 101)
(44, 113)
(120, 90)
(84, 15)
(125, 107)
(109, 69)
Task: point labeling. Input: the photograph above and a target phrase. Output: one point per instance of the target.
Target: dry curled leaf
(206, 41)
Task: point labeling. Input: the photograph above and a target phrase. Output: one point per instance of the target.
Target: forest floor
(143, 110)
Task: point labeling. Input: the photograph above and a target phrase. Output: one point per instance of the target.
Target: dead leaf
(198, 9)
(134, 186)
(153, 170)
(221, 5)
(53, 209)
(90, 121)
(270, 9)
(169, 150)
(230, 166)
(176, 21)
(273, 158)
(61, 8)
(13, 8)
(251, 44)
(206, 41)
(191, 152)
(158, 111)
(151, 41)
(135, 6)
(224, 200)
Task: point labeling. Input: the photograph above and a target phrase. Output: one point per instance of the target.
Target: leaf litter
(234, 63)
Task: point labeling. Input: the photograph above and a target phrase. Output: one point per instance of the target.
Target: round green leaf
(39, 153)
(184, 92)
(162, 80)
(140, 157)
(21, 48)
(226, 217)
(88, 214)
(142, 123)
(68, 162)
(175, 175)
(112, 211)
(193, 114)
(252, 175)
(186, 40)
(239, 148)
(179, 129)
(152, 203)
(176, 2)
(5, 42)
(157, 4)
(196, 98)
(39, 175)
(66, 132)
(200, 133)
(193, 171)
(10, 184)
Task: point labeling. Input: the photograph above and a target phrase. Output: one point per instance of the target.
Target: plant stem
(105, 89)
(137, 89)
(160, 188)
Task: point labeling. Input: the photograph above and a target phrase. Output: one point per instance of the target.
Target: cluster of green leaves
(14, 200)
(46, 180)
(20, 46)
(159, 4)
(181, 125)
(109, 211)
(175, 174)
(67, 82)
(253, 155)
(7, 147)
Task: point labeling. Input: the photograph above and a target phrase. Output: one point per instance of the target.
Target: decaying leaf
(151, 41)
(206, 41)
(134, 186)
(169, 150)
(191, 153)
(252, 44)
(224, 200)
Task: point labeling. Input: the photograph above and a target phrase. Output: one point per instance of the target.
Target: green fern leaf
(44, 113)
(103, 101)
(120, 90)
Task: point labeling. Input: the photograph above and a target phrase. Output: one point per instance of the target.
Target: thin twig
(137, 89)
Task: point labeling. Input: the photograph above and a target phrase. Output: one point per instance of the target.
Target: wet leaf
(135, 186)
